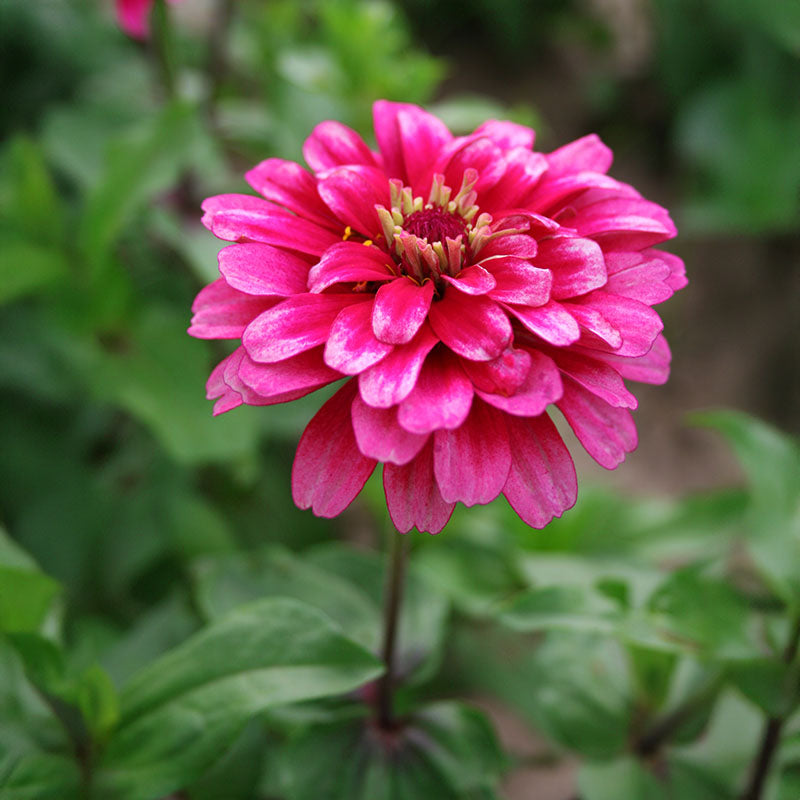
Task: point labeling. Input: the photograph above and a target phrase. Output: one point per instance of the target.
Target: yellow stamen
(348, 232)
(367, 242)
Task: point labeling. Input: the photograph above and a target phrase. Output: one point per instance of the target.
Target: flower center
(435, 224)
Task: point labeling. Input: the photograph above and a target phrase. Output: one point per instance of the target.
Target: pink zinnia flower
(134, 16)
(462, 287)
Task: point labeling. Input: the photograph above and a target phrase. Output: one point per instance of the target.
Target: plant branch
(393, 599)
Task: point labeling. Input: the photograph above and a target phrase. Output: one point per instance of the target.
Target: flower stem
(770, 740)
(217, 57)
(393, 599)
(163, 48)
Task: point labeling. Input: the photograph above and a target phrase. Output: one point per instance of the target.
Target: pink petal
(624, 223)
(133, 17)
(352, 346)
(523, 172)
(471, 152)
(289, 185)
(503, 375)
(606, 432)
(332, 144)
(553, 194)
(514, 244)
(390, 381)
(329, 470)
(542, 386)
(261, 269)
(379, 435)
(592, 321)
(518, 281)
(577, 265)
(472, 280)
(409, 139)
(441, 397)
(352, 194)
(652, 367)
(677, 279)
(412, 496)
(305, 371)
(221, 312)
(474, 327)
(637, 323)
(598, 377)
(587, 153)
(551, 322)
(400, 309)
(216, 389)
(541, 483)
(472, 462)
(350, 262)
(638, 276)
(244, 218)
(294, 325)
(507, 134)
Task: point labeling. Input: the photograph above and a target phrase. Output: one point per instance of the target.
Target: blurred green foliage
(170, 621)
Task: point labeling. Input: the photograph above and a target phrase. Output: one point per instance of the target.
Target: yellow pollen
(348, 232)
(367, 242)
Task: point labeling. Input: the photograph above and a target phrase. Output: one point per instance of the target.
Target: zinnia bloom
(134, 16)
(463, 287)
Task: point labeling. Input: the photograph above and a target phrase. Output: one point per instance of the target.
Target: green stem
(217, 57)
(163, 48)
(771, 738)
(393, 599)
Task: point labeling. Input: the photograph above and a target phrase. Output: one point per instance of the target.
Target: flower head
(462, 287)
(134, 17)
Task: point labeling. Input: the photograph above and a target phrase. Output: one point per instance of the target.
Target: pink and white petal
(507, 135)
(520, 245)
(332, 144)
(399, 310)
(305, 370)
(294, 325)
(233, 379)
(587, 153)
(652, 367)
(260, 269)
(329, 470)
(472, 280)
(245, 218)
(516, 186)
(519, 281)
(409, 139)
(624, 223)
(217, 389)
(390, 381)
(221, 312)
(596, 375)
(473, 327)
(412, 496)
(503, 375)
(607, 433)
(352, 347)
(577, 265)
(553, 194)
(288, 184)
(471, 152)
(638, 276)
(350, 262)
(552, 322)
(541, 482)
(352, 194)
(379, 435)
(542, 386)
(472, 462)
(441, 397)
(677, 278)
(637, 323)
(596, 329)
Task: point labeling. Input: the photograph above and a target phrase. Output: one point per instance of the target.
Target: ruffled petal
(350, 262)
(352, 194)
(542, 386)
(541, 482)
(412, 496)
(329, 470)
(260, 269)
(503, 375)
(441, 397)
(553, 195)
(474, 327)
(294, 325)
(519, 281)
(399, 310)
(607, 433)
(624, 223)
(332, 144)
(305, 372)
(507, 135)
(517, 184)
(520, 245)
(587, 153)
(288, 184)
(352, 347)
(390, 381)
(577, 265)
(379, 435)
(598, 377)
(244, 218)
(472, 280)
(638, 276)
(552, 322)
(221, 312)
(652, 367)
(677, 278)
(472, 461)
(477, 153)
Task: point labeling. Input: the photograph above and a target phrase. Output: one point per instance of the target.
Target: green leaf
(98, 702)
(447, 751)
(769, 683)
(624, 778)
(27, 267)
(181, 711)
(42, 776)
(26, 593)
